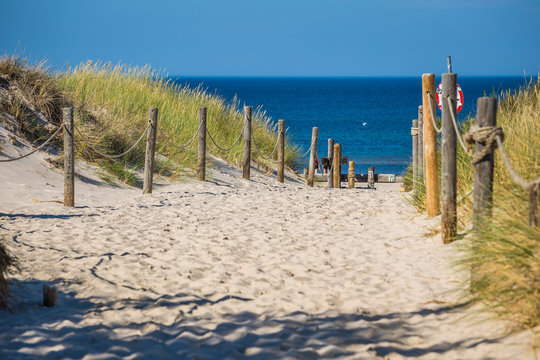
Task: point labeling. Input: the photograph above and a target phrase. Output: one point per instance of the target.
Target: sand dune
(231, 268)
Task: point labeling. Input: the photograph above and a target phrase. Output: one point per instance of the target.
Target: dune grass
(112, 103)
(505, 254)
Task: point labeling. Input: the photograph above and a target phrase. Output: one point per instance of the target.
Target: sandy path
(238, 269)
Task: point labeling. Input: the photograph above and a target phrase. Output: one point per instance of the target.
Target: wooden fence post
(430, 148)
(337, 166)
(421, 165)
(69, 157)
(371, 177)
(448, 161)
(414, 134)
(246, 164)
(201, 154)
(312, 156)
(483, 171)
(150, 151)
(281, 151)
(329, 175)
(351, 176)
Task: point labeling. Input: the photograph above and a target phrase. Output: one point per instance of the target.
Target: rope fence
(36, 149)
(182, 147)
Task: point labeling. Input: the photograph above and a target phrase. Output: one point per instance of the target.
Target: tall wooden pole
(448, 161)
(201, 155)
(150, 151)
(281, 151)
(421, 165)
(329, 174)
(313, 156)
(337, 166)
(483, 171)
(69, 158)
(351, 178)
(246, 164)
(414, 134)
(430, 148)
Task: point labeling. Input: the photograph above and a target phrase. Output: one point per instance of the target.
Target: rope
(36, 149)
(259, 151)
(432, 116)
(518, 179)
(233, 145)
(119, 155)
(486, 135)
(456, 127)
(187, 144)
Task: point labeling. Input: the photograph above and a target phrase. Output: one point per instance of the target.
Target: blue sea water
(370, 117)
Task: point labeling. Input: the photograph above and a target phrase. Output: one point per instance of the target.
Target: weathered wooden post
(414, 134)
(448, 161)
(337, 166)
(421, 165)
(483, 171)
(430, 147)
(50, 296)
(371, 177)
(201, 154)
(329, 174)
(313, 156)
(281, 151)
(351, 176)
(150, 151)
(246, 164)
(69, 157)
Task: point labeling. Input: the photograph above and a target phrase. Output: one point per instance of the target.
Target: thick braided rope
(119, 155)
(36, 149)
(259, 151)
(233, 145)
(181, 147)
(433, 116)
(456, 127)
(487, 136)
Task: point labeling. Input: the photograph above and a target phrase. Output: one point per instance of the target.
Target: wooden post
(201, 154)
(414, 134)
(337, 166)
(150, 151)
(246, 164)
(330, 175)
(483, 171)
(430, 148)
(421, 165)
(312, 156)
(351, 177)
(371, 177)
(69, 158)
(448, 161)
(281, 151)
(50, 296)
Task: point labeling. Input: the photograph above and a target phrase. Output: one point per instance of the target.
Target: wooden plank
(483, 171)
(448, 161)
(201, 155)
(150, 151)
(281, 151)
(312, 156)
(430, 148)
(246, 163)
(69, 157)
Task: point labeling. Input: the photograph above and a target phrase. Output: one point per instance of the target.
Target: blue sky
(280, 38)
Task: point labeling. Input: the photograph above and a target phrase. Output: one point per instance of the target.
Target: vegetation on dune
(505, 254)
(111, 112)
(112, 105)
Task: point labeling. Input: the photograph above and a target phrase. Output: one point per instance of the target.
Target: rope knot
(485, 135)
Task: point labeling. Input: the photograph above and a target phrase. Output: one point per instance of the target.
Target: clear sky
(280, 37)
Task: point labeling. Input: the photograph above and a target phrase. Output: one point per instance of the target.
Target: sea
(370, 117)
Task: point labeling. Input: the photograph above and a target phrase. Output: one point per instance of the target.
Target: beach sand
(230, 268)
